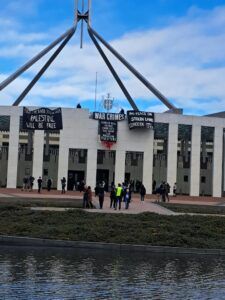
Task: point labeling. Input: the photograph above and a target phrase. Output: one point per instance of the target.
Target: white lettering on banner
(108, 116)
(140, 119)
(42, 119)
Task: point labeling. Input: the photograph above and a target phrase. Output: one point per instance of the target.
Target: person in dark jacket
(49, 184)
(163, 191)
(85, 197)
(142, 192)
(39, 181)
(63, 183)
(31, 183)
(90, 205)
(112, 197)
(101, 194)
(167, 191)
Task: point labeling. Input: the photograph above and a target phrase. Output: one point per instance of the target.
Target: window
(185, 178)
(100, 157)
(203, 179)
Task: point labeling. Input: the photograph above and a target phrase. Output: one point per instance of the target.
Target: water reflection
(27, 273)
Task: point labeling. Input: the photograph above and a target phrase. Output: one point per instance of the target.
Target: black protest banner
(140, 119)
(108, 131)
(42, 119)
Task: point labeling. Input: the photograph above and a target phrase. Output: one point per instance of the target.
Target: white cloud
(185, 61)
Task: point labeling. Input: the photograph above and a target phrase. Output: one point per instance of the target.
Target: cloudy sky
(179, 46)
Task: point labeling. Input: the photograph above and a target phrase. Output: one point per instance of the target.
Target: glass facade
(206, 161)
(160, 153)
(106, 168)
(184, 159)
(134, 168)
(51, 158)
(77, 168)
(4, 149)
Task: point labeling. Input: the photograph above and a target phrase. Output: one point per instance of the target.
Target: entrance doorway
(103, 175)
(73, 178)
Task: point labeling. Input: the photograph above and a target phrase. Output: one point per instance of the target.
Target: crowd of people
(28, 183)
(163, 191)
(122, 193)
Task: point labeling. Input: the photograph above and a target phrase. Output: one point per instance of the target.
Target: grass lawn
(189, 208)
(32, 202)
(146, 228)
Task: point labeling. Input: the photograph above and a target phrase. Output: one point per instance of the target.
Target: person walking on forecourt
(127, 197)
(142, 192)
(101, 194)
(63, 183)
(119, 195)
(39, 181)
(112, 197)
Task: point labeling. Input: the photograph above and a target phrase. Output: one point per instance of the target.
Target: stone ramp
(136, 207)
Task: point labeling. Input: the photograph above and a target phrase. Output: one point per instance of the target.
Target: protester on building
(49, 184)
(31, 183)
(112, 197)
(39, 181)
(142, 192)
(101, 194)
(119, 195)
(127, 198)
(85, 197)
(175, 189)
(90, 204)
(63, 183)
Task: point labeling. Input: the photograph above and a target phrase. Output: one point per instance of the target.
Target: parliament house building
(182, 149)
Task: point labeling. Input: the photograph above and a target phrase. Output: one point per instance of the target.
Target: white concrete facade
(81, 132)
(172, 154)
(195, 159)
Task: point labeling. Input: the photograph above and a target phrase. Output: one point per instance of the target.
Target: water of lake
(28, 273)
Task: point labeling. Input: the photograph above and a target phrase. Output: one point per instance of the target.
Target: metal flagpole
(82, 27)
(96, 85)
(42, 71)
(76, 12)
(156, 92)
(34, 60)
(89, 12)
(115, 75)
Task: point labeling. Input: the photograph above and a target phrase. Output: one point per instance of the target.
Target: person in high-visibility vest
(119, 194)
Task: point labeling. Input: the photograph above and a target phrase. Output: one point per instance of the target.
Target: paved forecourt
(136, 206)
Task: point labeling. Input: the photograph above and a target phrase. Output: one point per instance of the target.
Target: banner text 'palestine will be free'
(42, 119)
